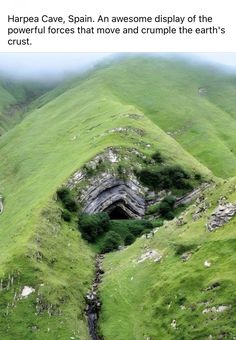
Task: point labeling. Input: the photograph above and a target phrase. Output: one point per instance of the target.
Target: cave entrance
(117, 213)
(120, 199)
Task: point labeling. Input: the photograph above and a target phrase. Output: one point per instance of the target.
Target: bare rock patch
(221, 215)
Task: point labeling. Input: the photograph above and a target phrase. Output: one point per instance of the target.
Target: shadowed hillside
(15, 99)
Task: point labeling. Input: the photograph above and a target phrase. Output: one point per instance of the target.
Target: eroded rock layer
(107, 183)
(107, 193)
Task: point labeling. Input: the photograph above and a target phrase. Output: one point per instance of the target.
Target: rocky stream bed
(93, 303)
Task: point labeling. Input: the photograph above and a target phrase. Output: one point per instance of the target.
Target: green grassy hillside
(15, 96)
(64, 129)
(141, 300)
(58, 138)
(52, 142)
(167, 91)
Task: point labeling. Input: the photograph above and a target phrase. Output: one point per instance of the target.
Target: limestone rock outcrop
(107, 183)
(109, 193)
(222, 214)
(150, 255)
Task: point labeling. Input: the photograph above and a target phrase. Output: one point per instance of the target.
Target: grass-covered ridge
(58, 138)
(195, 104)
(15, 99)
(62, 131)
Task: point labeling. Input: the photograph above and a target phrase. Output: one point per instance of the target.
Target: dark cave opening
(117, 213)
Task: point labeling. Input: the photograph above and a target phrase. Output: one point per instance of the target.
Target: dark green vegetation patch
(166, 177)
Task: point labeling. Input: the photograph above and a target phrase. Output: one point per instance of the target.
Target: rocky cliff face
(108, 183)
(107, 189)
(108, 192)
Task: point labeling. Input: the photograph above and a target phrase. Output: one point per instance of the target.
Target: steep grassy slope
(141, 300)
(167, 91)
(60, 137)
(14, 98)
(58, 266)
(66, 129)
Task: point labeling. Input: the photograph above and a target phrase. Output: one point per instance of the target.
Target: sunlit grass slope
(194, 103)
(65, 129)
(53, 141)
(166, 300)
